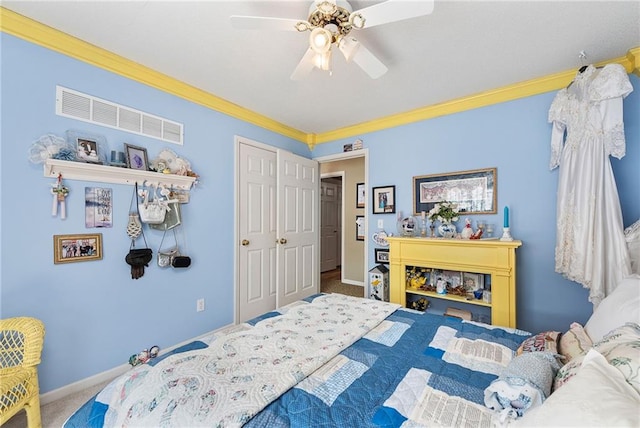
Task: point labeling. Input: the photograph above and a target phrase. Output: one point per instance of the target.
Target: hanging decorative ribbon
(59, 191)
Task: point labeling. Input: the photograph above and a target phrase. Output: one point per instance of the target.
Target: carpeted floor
(330, 283)
(335, 286)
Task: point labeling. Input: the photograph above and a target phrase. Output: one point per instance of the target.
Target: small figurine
(467, 232)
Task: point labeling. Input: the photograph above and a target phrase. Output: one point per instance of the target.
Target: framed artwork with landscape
(474, 191)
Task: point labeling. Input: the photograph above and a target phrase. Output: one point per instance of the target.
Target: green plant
(444, 211)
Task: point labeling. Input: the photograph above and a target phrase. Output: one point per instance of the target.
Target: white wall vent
(76, 105)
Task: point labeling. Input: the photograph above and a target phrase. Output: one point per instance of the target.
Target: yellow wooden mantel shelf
(487, 256)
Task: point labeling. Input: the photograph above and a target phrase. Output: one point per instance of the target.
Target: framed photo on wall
(359, 228)
(384, 200)
(382, 255)
(360, 195)
(77, 248)
(136, 157)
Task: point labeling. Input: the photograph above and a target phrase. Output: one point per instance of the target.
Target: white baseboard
(352, 282)
(99, 378)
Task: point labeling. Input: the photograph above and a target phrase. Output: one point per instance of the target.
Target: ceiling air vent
(76, 105)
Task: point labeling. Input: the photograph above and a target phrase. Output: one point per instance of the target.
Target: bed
(340, 361)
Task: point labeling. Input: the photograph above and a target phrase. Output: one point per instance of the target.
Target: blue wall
(514, 137)
(97, 316)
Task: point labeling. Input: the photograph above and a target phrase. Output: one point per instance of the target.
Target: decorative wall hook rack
(109, 174)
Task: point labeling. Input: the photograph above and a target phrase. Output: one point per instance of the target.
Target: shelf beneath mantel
(112, 174)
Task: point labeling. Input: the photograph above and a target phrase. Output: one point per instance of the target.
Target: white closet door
(298, 235)
(257, 179)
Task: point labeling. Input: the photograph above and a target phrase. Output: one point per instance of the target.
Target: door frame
(341, 175)
(362, 153)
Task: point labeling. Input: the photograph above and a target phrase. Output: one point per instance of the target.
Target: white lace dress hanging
(590, 244)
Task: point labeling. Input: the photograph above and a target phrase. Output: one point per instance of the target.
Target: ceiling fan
(330, 23)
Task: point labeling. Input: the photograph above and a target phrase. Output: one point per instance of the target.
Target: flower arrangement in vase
(446, 213)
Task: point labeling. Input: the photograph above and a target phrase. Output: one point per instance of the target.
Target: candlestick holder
(506, 235)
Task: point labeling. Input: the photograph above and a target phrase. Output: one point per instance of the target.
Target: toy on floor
(144, 356)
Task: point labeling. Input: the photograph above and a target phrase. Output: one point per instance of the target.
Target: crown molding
(50, 38)
(40, 34)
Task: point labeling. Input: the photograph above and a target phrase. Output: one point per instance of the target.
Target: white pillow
(618, 308)
(598, 396)
(632, 236)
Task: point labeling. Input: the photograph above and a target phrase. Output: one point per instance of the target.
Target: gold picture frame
(474, 191)
(77, 248)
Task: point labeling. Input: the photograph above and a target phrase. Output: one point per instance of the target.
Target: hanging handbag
(165, 257)
(137, 258)
(172, 218)
(172, 256)
(152, 211)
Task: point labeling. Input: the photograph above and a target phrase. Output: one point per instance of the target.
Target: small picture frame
(77, 248)
(360, 195)
(382, 255)
(359, 228)
(384, 200)
(89, 147)
(472, 281)
(136, 157)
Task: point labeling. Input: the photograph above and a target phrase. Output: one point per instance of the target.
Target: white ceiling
(462, 48)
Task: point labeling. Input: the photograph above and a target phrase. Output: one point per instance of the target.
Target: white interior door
(329, 220)
(298, 234)
(257, 226)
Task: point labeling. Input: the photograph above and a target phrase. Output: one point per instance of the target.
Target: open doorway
(343, 253)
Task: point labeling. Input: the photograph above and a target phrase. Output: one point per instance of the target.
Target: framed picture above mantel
(474, 191)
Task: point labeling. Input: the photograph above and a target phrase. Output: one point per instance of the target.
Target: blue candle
(506, 216)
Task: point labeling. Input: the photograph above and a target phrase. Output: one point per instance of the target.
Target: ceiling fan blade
(394, 10)
(264, 23)
(305, 65)
(354, 51)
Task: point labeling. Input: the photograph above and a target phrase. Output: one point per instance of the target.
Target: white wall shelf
(113, 174)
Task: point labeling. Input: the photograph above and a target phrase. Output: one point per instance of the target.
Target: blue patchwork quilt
(412, 369)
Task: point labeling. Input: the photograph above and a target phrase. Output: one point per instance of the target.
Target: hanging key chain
(60, 192)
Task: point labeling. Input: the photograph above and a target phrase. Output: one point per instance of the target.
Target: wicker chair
(21, 341)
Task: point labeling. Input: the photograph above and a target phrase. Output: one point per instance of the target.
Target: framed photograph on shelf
(359, 228)
(451, 278)
(384, 200)
(136, 157)
(77, 248)
(360, 195)
(382, 255)
(473, 281)
(474, 191)
(90, 148)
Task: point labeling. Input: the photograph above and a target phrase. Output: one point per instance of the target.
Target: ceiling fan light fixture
(323, 61)
(320, 40)
(348, 46)
(357, 20)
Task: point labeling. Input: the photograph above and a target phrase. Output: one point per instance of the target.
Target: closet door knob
(282, 241)
(245, 242)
